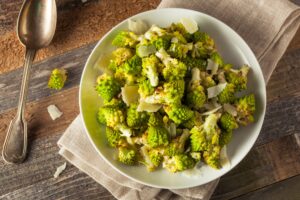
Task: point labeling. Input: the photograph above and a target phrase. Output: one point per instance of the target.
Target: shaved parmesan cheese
(143, 106)
(189, 24)
(130, 94)
(212, 111)
(230, 109)
(212, 66)
(59, 170)
(172, 130)
(215, 90)
(126, 132)
(224, 160)
(138, 26)
(195, 74)
(54, 112)
(145, 50)
(174, 40)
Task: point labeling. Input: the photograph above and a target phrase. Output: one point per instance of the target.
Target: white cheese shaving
(212, 111)
(215, 90)
(212, 66)
(189, 24)
(54, 112)
(195, 74)
(137, 26)
(126, 132)
(172, 130)
(144, 106)
(59, 170)
(130, 94)
(230, 109)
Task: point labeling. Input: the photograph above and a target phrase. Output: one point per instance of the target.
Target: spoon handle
(15, 144)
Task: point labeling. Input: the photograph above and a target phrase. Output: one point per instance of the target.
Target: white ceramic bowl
(234, 50)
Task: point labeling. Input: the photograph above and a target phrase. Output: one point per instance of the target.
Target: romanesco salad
(170, 100)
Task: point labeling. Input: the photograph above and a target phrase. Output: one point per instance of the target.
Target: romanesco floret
(107, 87)
(238, 77)
(133, 65)
(174, 69)
(120, 56)
(228, 122)
(173, 91)
(196, 120)
(157, 136)
(212, 157)
(195, 62)
(179, 162)
(136, 119)
(113, 136)
(178, 27)
(227, 95)
(156, 157)
(117, 102)
(225, 137)
(215, 56)
(245, 107)
(155, 119)
(177, 145)
(127, 155)
(150, 65)
(57, 79)
(178, 50)
(111, 116)
(179, 113)
(208, 81)
(163, 42)
(195, 97)
(145, 88)
(125, 39)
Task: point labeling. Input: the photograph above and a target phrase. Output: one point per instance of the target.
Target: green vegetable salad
(170, 100)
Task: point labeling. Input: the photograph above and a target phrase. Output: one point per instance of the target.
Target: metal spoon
(35, 28)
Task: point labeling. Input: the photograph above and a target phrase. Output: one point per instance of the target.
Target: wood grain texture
(263, 166)
(34, 178)
(72, 61)
(287, 190)
(78, 24)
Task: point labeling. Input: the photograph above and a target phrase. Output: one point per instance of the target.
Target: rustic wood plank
(264, 165)
(33, 179)
(72, 61)
(78, 24)
(287, 190)
(39, 122)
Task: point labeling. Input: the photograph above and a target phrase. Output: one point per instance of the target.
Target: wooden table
(270, 171)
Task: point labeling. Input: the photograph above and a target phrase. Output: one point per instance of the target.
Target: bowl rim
(169, 9)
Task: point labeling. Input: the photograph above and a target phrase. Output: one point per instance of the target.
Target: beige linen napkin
(267, 26)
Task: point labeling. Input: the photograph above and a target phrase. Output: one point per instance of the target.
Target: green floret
(208, 81)
(113, 136)
(107, 87)
(178, 27)
(204, 45)
(212, 157)
(238, 77)
(179, 163)
(204, 38)
(155, 119)
(228, 122)
(179, 113)
(196, 120)
(225, 137)
(245, 107)
(177, 145)
(173, 91)
(145, 88)
(111, 116)
(119, 103)
(215, 56)
(133, 65)
(195, 62)
(195, 97)
(125, 39)
(155, 157)
(162, 42)
(144, 50)
(150, 65)
(120, 56)
(174, 70)
(157, 136)
(206, 136)
(127, 155)
(227, 95)
(57, 79)
(136, 119)
(178, 50)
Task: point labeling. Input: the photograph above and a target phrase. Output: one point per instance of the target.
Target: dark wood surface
(270, 171)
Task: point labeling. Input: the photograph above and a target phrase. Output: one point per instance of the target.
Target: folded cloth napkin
(267, 26)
